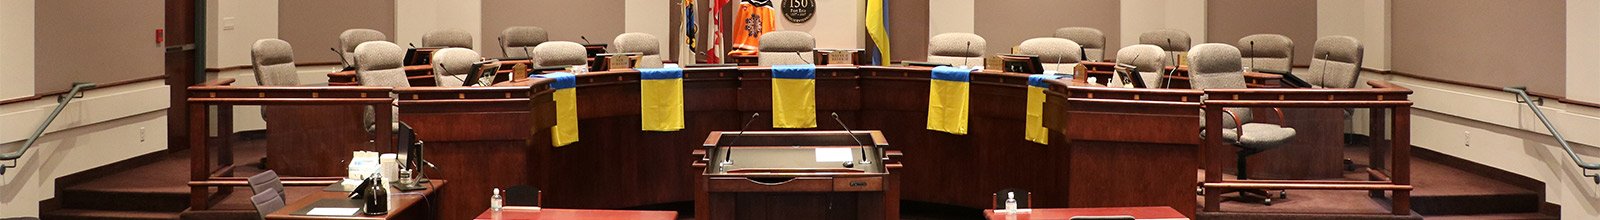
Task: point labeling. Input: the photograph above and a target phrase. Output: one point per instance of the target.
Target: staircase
(153, 189)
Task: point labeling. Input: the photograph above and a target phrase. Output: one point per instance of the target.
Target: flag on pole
(878, 29)
(1035, 130)
(714, 48)
(661, 99)
(566, 97)
(947, 99)
(689, 32)
(794, 100)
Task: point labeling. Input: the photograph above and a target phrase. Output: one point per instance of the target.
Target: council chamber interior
(799, 109)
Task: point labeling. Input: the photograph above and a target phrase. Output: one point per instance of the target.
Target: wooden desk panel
(518, 213)
(1150, 213)
(402, 205)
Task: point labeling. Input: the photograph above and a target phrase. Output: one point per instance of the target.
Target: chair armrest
(220, 82)
(1238, 127)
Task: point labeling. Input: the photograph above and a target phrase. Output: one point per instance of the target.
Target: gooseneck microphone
(1252, 55)
(1173, 56)
(802, 57)
(726, 160)
(585, 39)
(852, 137)
(341, 56)
(965, 62)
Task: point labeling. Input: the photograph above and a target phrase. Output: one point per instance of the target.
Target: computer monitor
(1130, 75)
(1020, 63)
(483, 73)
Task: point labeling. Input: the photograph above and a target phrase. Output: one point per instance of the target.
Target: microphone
(965, 62)
(447, 72)
(1083, 55)
(585, 39)
(502, 40)
(341, 57)
(729, 158)
(1173, 56)
(852, 137)
(802, 57)
(1252, 55)
(413, 46)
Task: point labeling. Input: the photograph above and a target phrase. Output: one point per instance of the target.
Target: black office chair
(1024, 198)
(523, 195)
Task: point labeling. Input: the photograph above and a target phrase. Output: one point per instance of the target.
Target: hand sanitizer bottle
(1011, 202)
(495, 201)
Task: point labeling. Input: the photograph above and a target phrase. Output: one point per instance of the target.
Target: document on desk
(333, 211)
(834, 155)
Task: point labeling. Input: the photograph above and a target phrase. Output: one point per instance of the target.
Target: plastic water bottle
(1011, 202)
(496, 202)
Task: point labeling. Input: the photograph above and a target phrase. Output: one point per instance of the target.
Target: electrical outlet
(1467, 137)
(141, 134)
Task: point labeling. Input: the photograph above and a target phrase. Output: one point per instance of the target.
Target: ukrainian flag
(661, 99)
(1036, 131)
(947, 100)
(794, 99)
(566, 96)
(878, 29)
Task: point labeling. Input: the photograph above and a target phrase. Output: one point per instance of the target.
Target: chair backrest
(1057, 54)
(452, 65)
(266, 181)
(1024, 198)
(1092, 40)
(642, 43)
(1170, 40)
(380, 63)
(354, 37)
(1147, 58)
(1216, 66)
(1270, 53)
(1335, 62)
(518, 41)
(787, 47)
(273, 62)
(447, 38)
(267, 202)
(522, 195)
(558, 53)
(954, 49)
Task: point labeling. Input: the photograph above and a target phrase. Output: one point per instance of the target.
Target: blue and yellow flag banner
(794, 99)
(661, 99)
(947, 100)
(1036, 131)
(878, 29)
(566, 96)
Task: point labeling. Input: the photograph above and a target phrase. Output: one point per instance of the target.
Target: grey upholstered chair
(448, 38)
(273, 62)
(647, 45)
(267, 202)
(1216, 66)
(1147, 58)
(452, 65)
(380, 63)
(559, 53)
(1092, 40)
(519, 41)
(960, 49)
(1171, 40)
(1335, 62)
(786, 48)
(354, 37)
(1056, 54)
(265, 182)
(1270, 52)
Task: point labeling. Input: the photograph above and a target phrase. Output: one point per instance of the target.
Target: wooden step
(82, 214)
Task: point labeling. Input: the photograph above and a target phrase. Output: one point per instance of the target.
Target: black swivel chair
(523, 195)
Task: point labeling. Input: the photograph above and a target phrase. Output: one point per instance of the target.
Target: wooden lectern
(796, 175)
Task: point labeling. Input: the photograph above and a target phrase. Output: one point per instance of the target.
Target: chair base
(1266, 197)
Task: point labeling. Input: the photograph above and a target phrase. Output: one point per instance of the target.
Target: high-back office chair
(960, 49)
(523, 195)
(1335, 62)
(267, 181)
(448, 38)
(354, 37)
(451, 66)
(273, 62)
(559, 53)
(519, 41)
(645, 44)
(267, 202)
(1092, 40)
(380, 63)
(787, 48)
(1056, 54)
(1271, 54)
(1024, 198)
(1216, 66)
(1147, 59)
(1171, 40)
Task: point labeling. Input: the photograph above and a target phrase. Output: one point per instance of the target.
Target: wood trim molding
(63, 92)
(243, 67)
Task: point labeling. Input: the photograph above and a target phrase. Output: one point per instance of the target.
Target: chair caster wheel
(1283, 194)
(1266, 201)
(1200, 190)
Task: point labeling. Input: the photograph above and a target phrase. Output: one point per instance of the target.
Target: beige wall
(313, 26)
(1366, 20)
(649, 16)
(837, 24)
(1487, 42)
(415, 18)
(1006, 23)
(1229, 20)
(565, 20)
(1140, 16)
(16, 34)
(74, 47)
(106, 126)
(951, 16)
(1583, 28)
(234, 26)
